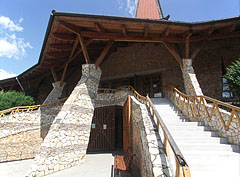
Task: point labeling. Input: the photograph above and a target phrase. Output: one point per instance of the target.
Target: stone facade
(48, 115)
(117, 98)
(20, 136)
(191, 84)
(20, 145)
(66, 142)
(150, 158)
(55, 94)
(233, 133)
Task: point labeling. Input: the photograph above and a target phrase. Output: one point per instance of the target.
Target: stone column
(66, 143)
(191, 84)
(55, 94)
(49, 113)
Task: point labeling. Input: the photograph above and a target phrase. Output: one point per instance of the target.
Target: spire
(150, 9)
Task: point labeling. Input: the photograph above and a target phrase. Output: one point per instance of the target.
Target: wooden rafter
(60, 46)
(187, 36)
(54, 74)
(63, 74)
(228, 29)
(84, 49)
(146, 29)
(57, 54)
(104, 53)
(99, 28)
(124, 30)
(132, 38)
(197, 49)
(174, 53)
(166, 32)
(64, 37)
(73, 28)
(74, 47)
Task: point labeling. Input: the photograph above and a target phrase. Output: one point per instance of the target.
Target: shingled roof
(149, 9)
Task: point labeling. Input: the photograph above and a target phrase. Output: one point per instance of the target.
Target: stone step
(207, 147)
(188, 128)
(203, 140)
(196, 134)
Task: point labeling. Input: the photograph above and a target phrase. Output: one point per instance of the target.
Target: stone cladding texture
(150, 158)
(20, 136)
(191, 84)
(22, 145)
(55, 94)
(112, 99)
(66, 142)
(48, 115)
(232, 134)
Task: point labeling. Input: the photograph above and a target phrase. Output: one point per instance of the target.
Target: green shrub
(13, 99)
(233, 77)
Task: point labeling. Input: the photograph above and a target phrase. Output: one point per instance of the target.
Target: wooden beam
(132, 38)
(84, 49)
(124, 30)
(228, 29)
(57, 54)
(74, 47)
(99, 28)
(71, 27)
(54, 75)
(104, 53)
(63, 74)
(146, 29)
(60, 46)
(173, 52)
(187, 55)
(64, 37)
(197, 49)
(166, 32)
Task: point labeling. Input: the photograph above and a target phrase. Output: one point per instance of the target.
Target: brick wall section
(143, 57)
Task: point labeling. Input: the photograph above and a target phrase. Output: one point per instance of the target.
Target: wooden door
(102, 136)
(127, 134)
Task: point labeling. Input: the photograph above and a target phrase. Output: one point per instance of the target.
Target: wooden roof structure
(71, 36)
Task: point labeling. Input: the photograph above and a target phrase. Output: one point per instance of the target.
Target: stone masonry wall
(112, 99)
(233, 134)
(21, 145)
(66, 142)
(55, 94)
(20, 136)
(48, 115)
(191, 84)
(149, 159)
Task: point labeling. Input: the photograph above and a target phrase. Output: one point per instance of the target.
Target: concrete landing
(96, 165)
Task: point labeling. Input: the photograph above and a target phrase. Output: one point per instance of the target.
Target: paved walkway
(96, 165)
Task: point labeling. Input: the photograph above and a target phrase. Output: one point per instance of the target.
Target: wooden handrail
(28, 108)
(194, 103)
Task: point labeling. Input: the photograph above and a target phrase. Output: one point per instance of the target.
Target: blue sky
(23, 23)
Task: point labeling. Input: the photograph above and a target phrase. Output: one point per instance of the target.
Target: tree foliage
(233, 77)
(13, 99)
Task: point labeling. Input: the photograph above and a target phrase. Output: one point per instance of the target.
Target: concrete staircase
(206, 154)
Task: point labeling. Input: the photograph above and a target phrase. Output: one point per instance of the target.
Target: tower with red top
(149, 9)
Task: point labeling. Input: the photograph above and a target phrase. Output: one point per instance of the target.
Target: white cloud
(4, 74)
(12, 46)
(8, 24)
(128, 6)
